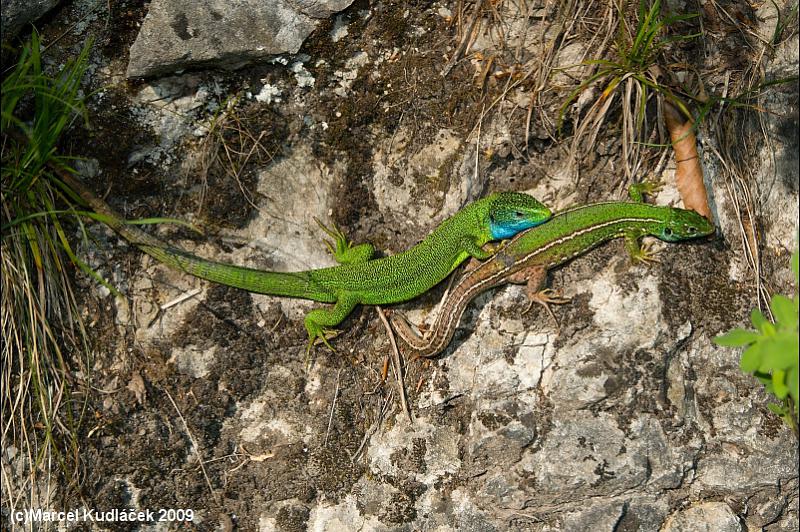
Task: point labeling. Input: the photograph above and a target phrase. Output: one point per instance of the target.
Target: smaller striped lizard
(529, 255)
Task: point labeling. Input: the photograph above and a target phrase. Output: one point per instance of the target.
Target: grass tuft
(40, 322)
(634, 75)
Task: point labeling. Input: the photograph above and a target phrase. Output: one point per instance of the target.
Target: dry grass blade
(527, 55)
(636, 71)
(333, 409)
(396, 364)
(741, 135)
(195, 446)
(231, 148)
(466, 38)
(41, 325)
(569, 18)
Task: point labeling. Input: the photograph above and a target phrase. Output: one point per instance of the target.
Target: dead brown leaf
(689, 172)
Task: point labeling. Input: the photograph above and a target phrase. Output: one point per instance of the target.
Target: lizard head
(512, 212)
(684, 225)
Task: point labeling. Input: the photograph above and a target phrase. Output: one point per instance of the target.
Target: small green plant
(771, 351)
(45, 353)
(637, 54)
(635, 72)
(41, 322)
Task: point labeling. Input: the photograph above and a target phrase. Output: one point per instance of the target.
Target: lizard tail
(290, 284)
(293, 284)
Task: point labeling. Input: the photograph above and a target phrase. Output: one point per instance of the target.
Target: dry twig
(396, 363)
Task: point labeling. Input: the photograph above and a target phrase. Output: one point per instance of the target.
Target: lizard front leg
(469, 245)
(342, 249)
(636, 251)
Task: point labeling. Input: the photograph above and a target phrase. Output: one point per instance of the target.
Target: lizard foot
(637, 190)
(645, 254)
(343, 249)
(546, 298)
(340, 244)
(327, 334)
(492, 248)
(321, 336)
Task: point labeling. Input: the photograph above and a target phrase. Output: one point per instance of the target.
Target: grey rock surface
(622, 416)
(17, 13)
(181, 34)
(625, 417)
(705, 517)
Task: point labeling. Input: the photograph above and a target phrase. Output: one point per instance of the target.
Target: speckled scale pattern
(567, 235)
(386, 280)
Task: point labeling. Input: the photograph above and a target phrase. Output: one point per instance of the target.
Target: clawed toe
(646, 255)
(545, 298)
(551, 296)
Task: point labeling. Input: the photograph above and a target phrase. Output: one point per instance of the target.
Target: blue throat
(504, 231)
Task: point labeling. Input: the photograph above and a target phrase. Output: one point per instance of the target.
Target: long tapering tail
(293, 284)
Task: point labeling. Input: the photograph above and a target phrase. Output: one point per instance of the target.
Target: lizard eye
(691, 230)
(667, 231)
(519, 214)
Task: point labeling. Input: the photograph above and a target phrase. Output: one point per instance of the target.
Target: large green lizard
(357, 280)
(528, 256)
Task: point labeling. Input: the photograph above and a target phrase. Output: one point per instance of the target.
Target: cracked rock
(708, 516)
(177, 34)
(17, 13)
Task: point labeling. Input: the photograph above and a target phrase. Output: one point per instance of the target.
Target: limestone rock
(177, 34)
(17, 13)
(707, 516)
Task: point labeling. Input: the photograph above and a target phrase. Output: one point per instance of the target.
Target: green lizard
(357, 280)
(528, 256)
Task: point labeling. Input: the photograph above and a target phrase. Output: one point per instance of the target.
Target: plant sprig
(637, 54)
(40, 318)
(771, 351)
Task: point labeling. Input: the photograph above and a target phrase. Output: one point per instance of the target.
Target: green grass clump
(638, 52)
(771, 351)
(635, 75)
(38, 312)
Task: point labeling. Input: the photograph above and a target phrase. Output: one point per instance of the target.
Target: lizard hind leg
(320, 322)
(342, 249)
(534, 278)
(637, 190)
(545, 298)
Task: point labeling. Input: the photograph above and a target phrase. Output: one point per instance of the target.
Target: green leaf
(792, 382)
(779, 384)
(751, 358)
(779, 351)
(759, 321)
(784, 312)
(765, 379)
(777, 409)
(737, 337)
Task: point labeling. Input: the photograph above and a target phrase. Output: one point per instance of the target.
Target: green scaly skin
(357, 280)
(528, 257)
